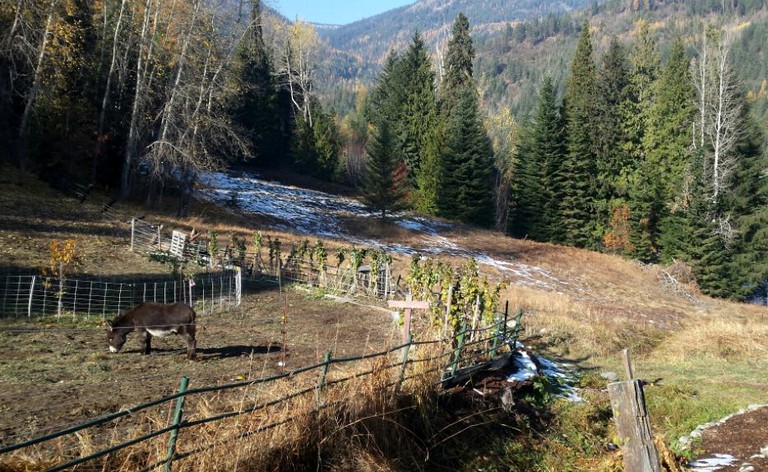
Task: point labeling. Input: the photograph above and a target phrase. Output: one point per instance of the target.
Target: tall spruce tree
(749, 204)
(381, 187)
(466, 193)
(459, 61)
(418, 114)
(255, 105)
(644, 192)
(536, 198)
(667, 145)
(466, 163)
(579, 186)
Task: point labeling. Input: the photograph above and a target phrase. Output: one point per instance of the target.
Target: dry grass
(709, 353)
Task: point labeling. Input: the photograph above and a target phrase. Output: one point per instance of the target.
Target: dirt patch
(743, 437)
(57, 374)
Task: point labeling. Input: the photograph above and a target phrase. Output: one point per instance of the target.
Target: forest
(649, 146)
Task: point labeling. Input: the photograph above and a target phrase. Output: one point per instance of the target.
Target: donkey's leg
(189, 336)
(146, 341)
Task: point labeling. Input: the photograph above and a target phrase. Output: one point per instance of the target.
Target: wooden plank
(412, 304)
(633, 427)
(178, 242)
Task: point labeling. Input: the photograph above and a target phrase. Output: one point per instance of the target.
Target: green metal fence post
(176, 423)
(518, 326)
(405, 361)
(496, 337)
(457, 352)
(323, 373)
(501, 331)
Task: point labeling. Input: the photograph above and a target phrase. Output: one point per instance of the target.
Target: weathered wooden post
(408, 305)
(633, 424)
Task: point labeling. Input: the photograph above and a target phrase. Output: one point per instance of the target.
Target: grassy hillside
(708, 357)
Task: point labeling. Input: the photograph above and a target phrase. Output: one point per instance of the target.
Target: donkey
(154, 319)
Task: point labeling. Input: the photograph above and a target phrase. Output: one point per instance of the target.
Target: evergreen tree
(612, 161)
(579, 189)
(645, 196)
(418, 82)
(388, 96)
(537, 174)
(466, 193)
(381, 189)
(667, 143)
(317, 148)
(255, 105)
(459, 59)
(748, 205)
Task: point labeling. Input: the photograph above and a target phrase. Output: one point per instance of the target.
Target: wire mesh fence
(35, 296)
(270, 402)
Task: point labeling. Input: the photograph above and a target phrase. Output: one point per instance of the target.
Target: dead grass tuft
(719, 338)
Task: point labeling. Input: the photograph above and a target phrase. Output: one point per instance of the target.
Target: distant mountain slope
(519, 41)
(371, 39)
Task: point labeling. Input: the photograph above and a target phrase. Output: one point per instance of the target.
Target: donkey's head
(115, 337)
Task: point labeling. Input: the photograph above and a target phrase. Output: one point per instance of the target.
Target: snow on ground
(561, 376)
(712, 464)
(314, 213)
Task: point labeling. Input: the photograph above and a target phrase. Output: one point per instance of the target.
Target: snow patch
(712, 464)
(315, 213)
(560, 375)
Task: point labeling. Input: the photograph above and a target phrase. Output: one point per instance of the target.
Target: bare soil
(56, 374)
(743, 437)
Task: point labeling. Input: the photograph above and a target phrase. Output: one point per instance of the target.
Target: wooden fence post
(408, 305)
(176, 424)
(633, 426)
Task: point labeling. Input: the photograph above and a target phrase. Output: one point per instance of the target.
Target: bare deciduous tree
(298, 48)
(719, 109)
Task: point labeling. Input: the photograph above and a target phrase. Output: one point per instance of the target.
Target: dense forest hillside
(512, 63)
(370, 39)
(518, 42)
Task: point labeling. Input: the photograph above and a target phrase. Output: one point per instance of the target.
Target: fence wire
(35, 296)
(447, 369)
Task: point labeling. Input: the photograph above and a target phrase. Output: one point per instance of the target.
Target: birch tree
(299, 50)
(33, 92)
(719, 109)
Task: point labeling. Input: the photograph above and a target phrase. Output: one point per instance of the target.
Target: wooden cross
(408, 305)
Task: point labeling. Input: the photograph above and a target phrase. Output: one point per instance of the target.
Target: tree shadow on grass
(224, 352)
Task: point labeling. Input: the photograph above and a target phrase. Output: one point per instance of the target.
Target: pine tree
(459, 60)
(418, 82)
(381, 189)
(255, 106)
(467, 193)
(579, 189)
(748, 205)
(612, 162)
(644, 194)
(667, 143)
(537, 176)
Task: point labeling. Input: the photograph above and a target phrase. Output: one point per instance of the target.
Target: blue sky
(338, 12)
